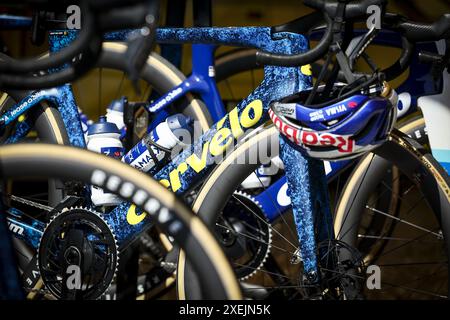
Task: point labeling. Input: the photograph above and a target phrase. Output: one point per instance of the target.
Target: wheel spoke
(403, 221)
(253, 238)
(338, 235)
(381, 237)
(280, 214)
(405, 244)
(268, 224)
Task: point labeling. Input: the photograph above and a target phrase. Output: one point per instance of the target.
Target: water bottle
(152, 151)
(85, 123)
(104, 137)
(262, 176)
(114, 113)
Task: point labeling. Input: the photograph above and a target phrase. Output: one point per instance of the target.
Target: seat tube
(67, 106)
(308, 191)
(203, 70)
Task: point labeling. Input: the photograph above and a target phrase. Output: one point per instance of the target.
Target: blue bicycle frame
(305, 176)
(192, 165)
(201, 81)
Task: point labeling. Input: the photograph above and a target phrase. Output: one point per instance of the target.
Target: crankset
(77, 255)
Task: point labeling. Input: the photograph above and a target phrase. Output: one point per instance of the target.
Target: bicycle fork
(307, 188)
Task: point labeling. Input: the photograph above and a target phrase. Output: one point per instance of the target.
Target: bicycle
(227, 178)
(59, 241)
(180, 38)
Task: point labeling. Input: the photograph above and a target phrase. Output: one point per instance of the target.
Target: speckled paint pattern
(27, 229)
(69, 112)
(308, 191)
(58, 40)
(62, 98)
(278, 82)
(21, 129)
(306, 180)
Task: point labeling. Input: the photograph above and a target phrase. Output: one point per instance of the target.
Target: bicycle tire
(62, 162)
(235, 61)
(350, 206)
(49, 126)
(157, 72)
(227, 176)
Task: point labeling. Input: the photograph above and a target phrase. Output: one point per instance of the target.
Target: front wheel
(396, 213)
(170, 214)
(280, 275)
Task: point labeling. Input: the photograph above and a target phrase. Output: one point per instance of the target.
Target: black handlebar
(85, 50)
(402, 63)
(300, 59)
(100, 16)
(411, 33)
(353, 10)
(416, 32)
(15, 66)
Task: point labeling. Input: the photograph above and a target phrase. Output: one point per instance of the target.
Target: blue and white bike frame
(188, 168)
(306, 177)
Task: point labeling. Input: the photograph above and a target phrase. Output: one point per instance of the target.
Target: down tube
(194, 163)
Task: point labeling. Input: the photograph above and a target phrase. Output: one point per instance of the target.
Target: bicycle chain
(43, 290)
(31, 203)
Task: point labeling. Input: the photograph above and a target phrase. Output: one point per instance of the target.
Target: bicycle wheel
(46, 121)
(158, 76)
(226, 178)
(234, 62)
(48, 125)
(237, 74)
(400, 234)
(37, 160)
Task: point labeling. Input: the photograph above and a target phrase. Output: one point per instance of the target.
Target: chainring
(78, 255)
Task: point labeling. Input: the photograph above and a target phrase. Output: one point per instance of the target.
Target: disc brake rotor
(245, 234)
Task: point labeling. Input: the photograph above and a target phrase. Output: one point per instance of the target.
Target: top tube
(256, 37)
